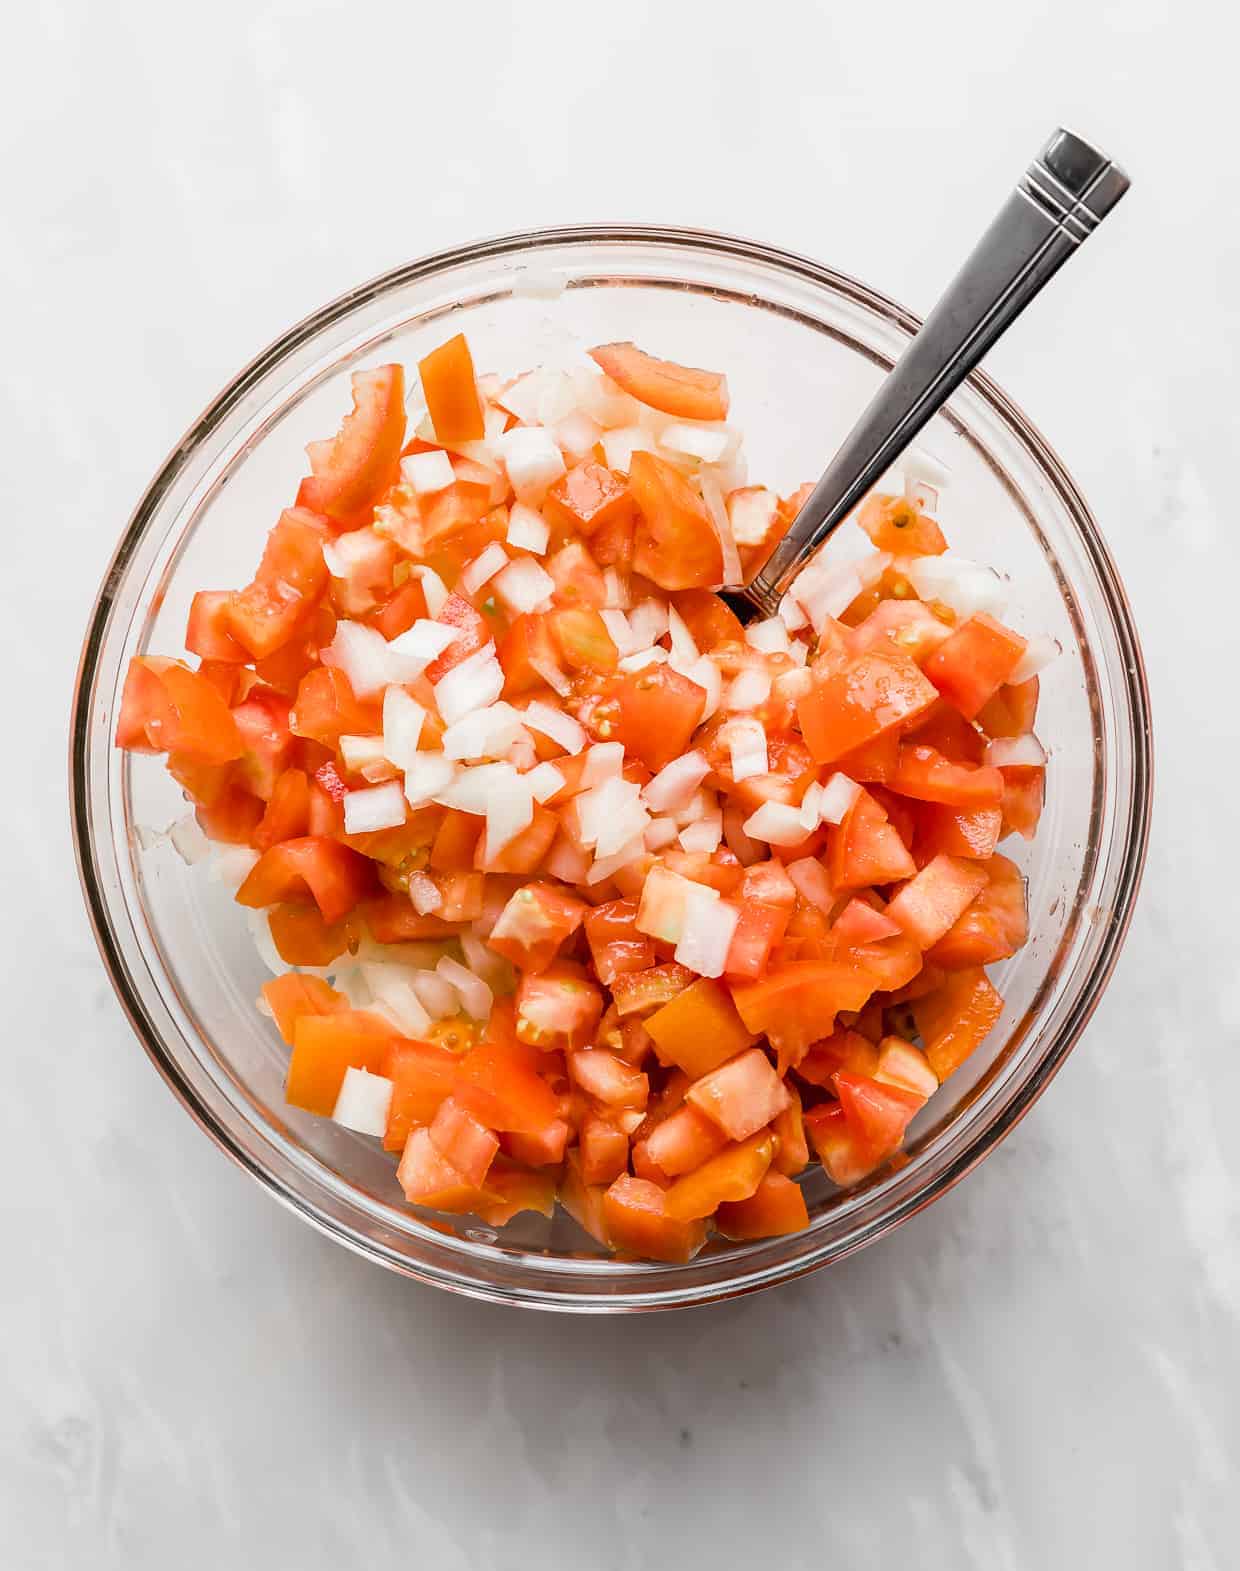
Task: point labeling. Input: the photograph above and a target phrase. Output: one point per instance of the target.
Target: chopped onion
(424, 893)
(471, 789)
(733, 573)
(375, 807)
(923, 468)
(336, 565)
(799, 650)
(523, 585)
(563, 730)
(826, 590)
(810, 878)
(642, 658)
(566, 861)
(188, 840)
(705, 673)
(707, 443)
(747, 745)
(436, 994)
(603, 760)
(602, 399)
(665, 900)
(1016, 752)
(366, 658)
(709, 928)
(433, 587)
(528, 530)
(393, 986)
(776, 823)
(676, 782)
(260, 932)
(427, 777)
(232, 865)
(607, 866)
(533, 461)
(523, 396)
(967, 587)
(751, 512)
(551, 674)
(660, 832)
(745, 850)
(769, 636)
(494, 970)
(510, 809)
(576, 435)
(1039, 652)
(599, 807)
(684, 645)
(621, 443)
(362, 753)
(544, 781)
(474, 994)
(485, 733)
(616, 589)
(648, 622)
(426, 473)
(791, 615)
(403, 719)
(871, 566)
(704, 835)
(838, 795)
(617, 625)
(750, 688)
(925, 498)
(483, 567)
(699, 804)
(423, 642)
(811, 804)
(475, 683)
(363, 1101)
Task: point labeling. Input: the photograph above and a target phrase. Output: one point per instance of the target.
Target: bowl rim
(806, 270)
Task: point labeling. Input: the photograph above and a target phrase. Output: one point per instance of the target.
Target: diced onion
(566, 861)
(533, 461)
(620, 444)
(361, 753)
(363, 1101)
(427, 776)
(676, 782)
(483, 567)
(436, 994)
(393, 986)
(607, 866)
(643, 658)
(188, 840)
(424, 893)
(749, 688)
(777, 823)
(664, 903)
(791, 615)
(811, 805)
(707, 443)
(769, 636)
(1039, 652)
(260, 932)
(551, 674)
(576, 435)
(648, 622)
(616, 589)
(1016, 752)
(494, 970)
(232, 865)
(733, 573)
(704, 835)
(826, 590)
(528, 530)
(705, 673)
(838, 795)
(921, 467)
(603, 760)
(426, 473)
(967, 587)
(433, 587)
(544, 781)
(475, 683)
(336, 565)
(423, 642)
(617, 625)
(375, 807)
(709, 928)
(485, 733)
(403, 719)
(810, 878)
(684, 645)
(660, 832)
(602, 399)
(473, 992)
(523, 585)
(747, 745)
(510, 809)
(751, 512)
(470, 789)
(366, 658)
(563, 730)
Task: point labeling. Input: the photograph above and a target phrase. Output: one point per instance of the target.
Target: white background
(1041, 1371)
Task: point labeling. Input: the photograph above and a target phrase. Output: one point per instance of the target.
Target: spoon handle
(1063, 196)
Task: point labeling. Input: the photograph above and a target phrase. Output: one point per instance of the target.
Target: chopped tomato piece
(636, 1221)
(673, 389)
(292, 995)
(675, 545)
(659, 711)
(451, 392)
(608, 1079)
(588, 498)
(878, 1113)
(974, 663)
(796, 1002)
(333, 876)
(994, 925)
(267, 743)
(423, 1077)
(759, 929)
(544, 1148)
(865, 848)
(558, 1007)
(775, 1208)
(843, 1049)
(207, 633)
(932, 901)
(734, 1174)
(854, 699)
(846, 1158)
(699, 1029)
(463, 1141)
(471, 630)
(429, 1179)
(525, 852)
(283, 597)
(1024, 791)
(165, 707)
(925, 774)
(709, 620)
(901, 1064)
(527, 652)
(861, 923)
(682, 1141)
(604, 1150)
(1012, 711)
(641, 992)
(324, 1046)
(582, 639)
(789, 1127)
(905, 625)
(287, 815)
(303, 938)
(741, 1095)
(769, 882)
(616, 947)
(325, 709)
(970, 832)
(534, 923)
(955, 1017)
(509, 1191)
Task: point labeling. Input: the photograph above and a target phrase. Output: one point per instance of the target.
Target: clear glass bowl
(803, 348)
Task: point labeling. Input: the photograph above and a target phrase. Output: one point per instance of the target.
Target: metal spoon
(1062, 198)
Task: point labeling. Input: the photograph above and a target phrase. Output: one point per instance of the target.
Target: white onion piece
(620, 444)
(731, 475)
(706, 674)
(533, 461)
(473, 992)
(698, 805)
(433, 588)
(523, 585)
(921, 467)
(471, 789)
(607, 866)
(423, 642)
(617, 625)
(603, 760)
(967, 587)
(576, 435)
(706, 443)
(642, 658)
(776, 823)
(563, 730)
(1016, 752)
(485, 733)
(510, 809)
(566, 861)
(664, 903)
(824, 591)
(483, 568)
(551, 674)
(733, 573)
(799, 650)
(769, 636)
(791, 614)
(684, 645)
(366, 658)
(232, 865)
(523, 396)
(336, 564)
(795, 683)
(709, 928)
(925, 498)
(426, 473)
(427, 777)
(751, 512)
(544, 781)
(676, 782)
(475, 683)
(1039, 652)
(528, 530)
(436, 995)
(749, 688)
(494, 970)
(660, 833)
(602, 399)
(424, 893)
(393, 986)
(871, 566)
(810, 878)
(363, 1101)
(747, 745)
(704, 835)
(188, 840)
(811, 806)
(360, 753)
(403, 719)
(838, 795)
(617, 589)
(522, 755)
(648, 622)
(260, 932)
(375, 807)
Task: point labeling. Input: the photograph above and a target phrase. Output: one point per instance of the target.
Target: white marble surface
(1040, 1371)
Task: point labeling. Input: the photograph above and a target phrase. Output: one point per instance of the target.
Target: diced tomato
(854, 699)
(499, 1082)
(775, 1208)
(287, 816)
(428, 1179)
(608, 1079)
(267, 742)
(527, 652)
(471, 630)
(463, 1141)
(456, 842)
(325, 709)
(582, 640)
(865, 848)
(795, 1002)
(659, 710)
(675, 545)
(324, 1046)
(544, 1148)
(282, 599)
(895, 525)
(1024, 792)
(905, 625)
(636, 1221)
(509, 1191)
(616, 947)
(878, 1113)
(451, 392)
(558, 1007)
(759, 929)
(975, 662)
(423, 1077)
(577, 577)
(932, 901)
(789, 1127)
(901, 1064)
(674, 389)
(682, 1141)
(391, 919)
(400, 611)
(954, 1018)
(846, 1158)
(331, 874)
(292, 995)
(1012, 711)
(641, 992)
(303, 938)
(588, 498)
(583, 1202)
(741, 1095)
(862, 923)
(769, 882)
(925, 774)
(734, 1174)
(165, 707)
(460, 896)
(969, 832)
(699, 1029)
(534, 923)
(604, 1150)
(525, 852)
(207, 633)
(994, 926)
(709, 620)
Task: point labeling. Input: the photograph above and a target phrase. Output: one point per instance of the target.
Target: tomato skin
(865, 848)
(895, 525)
(856, 698)
(845, 1157)
(673, 389)
(974, 663)
(335, 877)
(325, 709)
(675, 544)
(924, 773)
(292, 995)
(451, 391)
(397, 615)
(968, 832)
(526, 652)
(361, 460)
(659, 710)
(797, 1000)
(878, 1113)
(303, 938)
(708, 619)
(1011, 711)
(733, 1175)
(758, 930)
(994, 926)
(1024, 794)
(423, 1077)
(324, 1046)
(283, 596)
(639, 993)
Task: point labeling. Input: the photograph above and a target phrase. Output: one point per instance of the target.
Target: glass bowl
(803, 348)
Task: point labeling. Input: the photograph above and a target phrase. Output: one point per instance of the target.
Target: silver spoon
(1062, 198)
